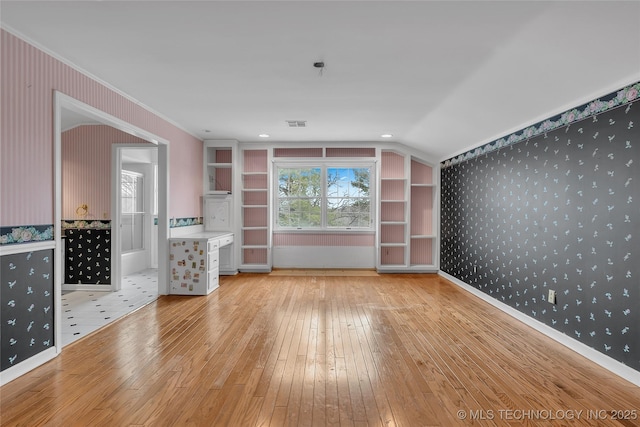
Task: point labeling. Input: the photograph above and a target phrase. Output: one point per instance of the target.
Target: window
(132, 204)
(324, 197)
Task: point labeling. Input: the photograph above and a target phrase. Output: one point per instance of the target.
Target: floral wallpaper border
(183, 222)
(38, 233)
(81, 223)
(604, 103)
(25, 234)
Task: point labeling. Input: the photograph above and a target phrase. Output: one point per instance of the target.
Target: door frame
(116, 208)
(62, 101)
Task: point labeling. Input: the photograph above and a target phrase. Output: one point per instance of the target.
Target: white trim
(324, 164)
(595, 356)
(62, 101)
(31, 363)
(120, 267)
(20, 248)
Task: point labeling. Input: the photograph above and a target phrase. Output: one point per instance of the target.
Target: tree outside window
(324, 197)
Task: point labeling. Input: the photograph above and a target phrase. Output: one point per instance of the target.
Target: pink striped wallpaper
(421, 251)
(421, 173)
(421, 210)
(86, 169)
(319, 239)
(255, 160)
(297, 152)
(392, 165)
(350, 152)
(28, 78)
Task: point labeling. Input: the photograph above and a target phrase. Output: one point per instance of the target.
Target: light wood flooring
(396, 350)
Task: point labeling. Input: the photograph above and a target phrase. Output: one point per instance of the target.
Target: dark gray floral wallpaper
(26, 305)
(558, 211)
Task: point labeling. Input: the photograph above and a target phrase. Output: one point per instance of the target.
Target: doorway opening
(68, 109)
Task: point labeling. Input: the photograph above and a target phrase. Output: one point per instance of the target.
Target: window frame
(324, 166)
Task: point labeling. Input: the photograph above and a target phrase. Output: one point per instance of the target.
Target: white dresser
(194, 261)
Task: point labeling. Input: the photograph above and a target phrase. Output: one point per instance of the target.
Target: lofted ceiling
(441, 76)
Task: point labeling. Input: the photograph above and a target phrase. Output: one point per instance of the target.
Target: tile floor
(86, 311)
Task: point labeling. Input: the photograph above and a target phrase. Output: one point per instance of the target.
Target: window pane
(299, 182)
(348, 212)
(346, 204)
(132, 207)
(299, 213)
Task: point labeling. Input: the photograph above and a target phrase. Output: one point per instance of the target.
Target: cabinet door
(218, 214)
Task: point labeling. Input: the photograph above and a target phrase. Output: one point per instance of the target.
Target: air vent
(297, 123)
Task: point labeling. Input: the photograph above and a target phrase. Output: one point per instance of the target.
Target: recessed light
(264, 135)
(386, 135)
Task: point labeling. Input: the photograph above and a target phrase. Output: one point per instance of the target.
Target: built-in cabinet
(219, 201)
(255, 251)
(394, 212)
(238, 199)
(407, 228)
(195, 262)
(218, 167)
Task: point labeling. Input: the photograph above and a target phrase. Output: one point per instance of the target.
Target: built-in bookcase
(406, 237)
(218, 162)
(393, 210)
(219, 196)
(422, 230)
(256, 234)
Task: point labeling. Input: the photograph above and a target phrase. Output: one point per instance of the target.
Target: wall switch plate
(552, 296)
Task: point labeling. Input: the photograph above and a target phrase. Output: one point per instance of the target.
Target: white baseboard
(324, 257)
(31, 363)
(595, 356)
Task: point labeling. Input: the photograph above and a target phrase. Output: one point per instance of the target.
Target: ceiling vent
(297, 123)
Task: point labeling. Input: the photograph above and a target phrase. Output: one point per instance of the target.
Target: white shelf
(423, 236)
(255, 188)
(393, 222)
(393, 245)
(422, 185)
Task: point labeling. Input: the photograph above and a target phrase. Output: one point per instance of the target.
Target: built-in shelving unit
(218, 166)
(422, 230)
(219, 198)
(256, 233)
(406, 238)
(393, 210)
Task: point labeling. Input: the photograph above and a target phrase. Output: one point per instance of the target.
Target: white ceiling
(441, 76)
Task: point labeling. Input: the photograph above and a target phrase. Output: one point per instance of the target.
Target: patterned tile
(84, 312)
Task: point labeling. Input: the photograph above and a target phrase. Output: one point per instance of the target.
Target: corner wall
(555, 207)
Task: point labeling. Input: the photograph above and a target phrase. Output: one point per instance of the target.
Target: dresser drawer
(212, 280)
(224, 241)
(213, 258)
(213, 245)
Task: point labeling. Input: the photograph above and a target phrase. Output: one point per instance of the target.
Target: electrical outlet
(552, 296)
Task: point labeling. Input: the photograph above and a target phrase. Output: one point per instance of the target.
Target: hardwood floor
(404, 350)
